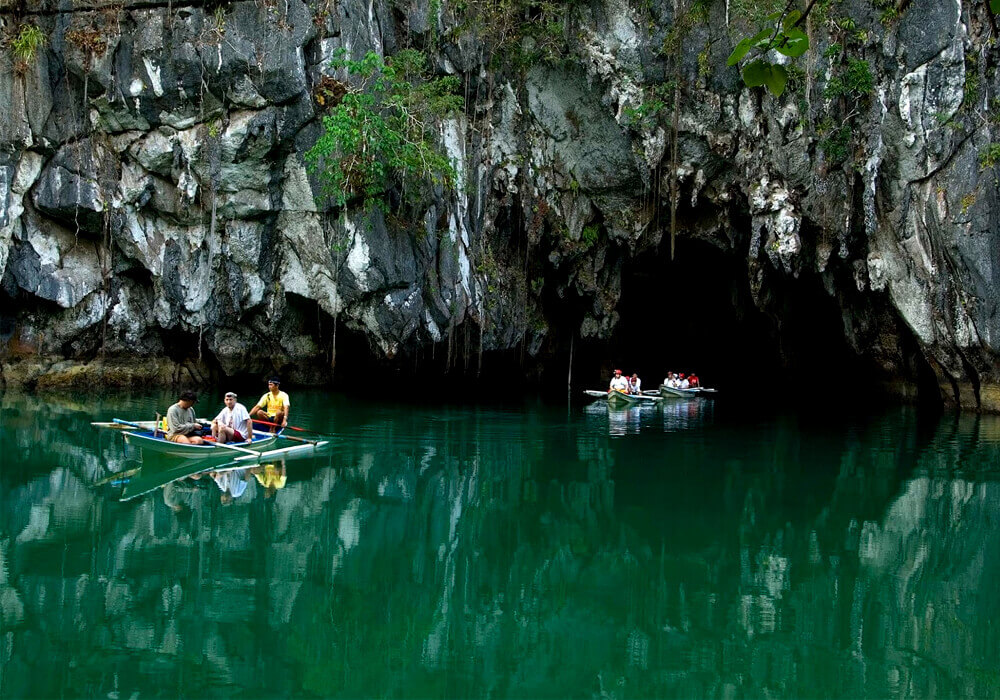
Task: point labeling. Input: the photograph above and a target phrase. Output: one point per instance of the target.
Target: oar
(289, 437)
(287, 427)
(119, 421)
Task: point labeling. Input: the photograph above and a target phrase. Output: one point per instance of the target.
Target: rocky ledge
(154, 200)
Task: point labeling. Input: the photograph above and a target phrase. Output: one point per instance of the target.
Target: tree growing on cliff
(380, 132)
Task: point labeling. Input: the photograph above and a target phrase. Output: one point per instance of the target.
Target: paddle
(287, 427)
(119, 421)
(289, 437)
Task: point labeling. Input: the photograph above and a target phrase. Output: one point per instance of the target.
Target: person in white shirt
(683, 383)
(618, 383)
(232, 483)
(233, 422)
(634, 384)
(670, 381)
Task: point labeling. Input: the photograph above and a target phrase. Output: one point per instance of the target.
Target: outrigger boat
(669, 392)
(146, 436)
(619, 398)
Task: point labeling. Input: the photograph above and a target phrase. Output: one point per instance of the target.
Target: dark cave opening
(696, 313)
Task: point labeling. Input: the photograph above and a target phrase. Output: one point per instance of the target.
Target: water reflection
(475, 552)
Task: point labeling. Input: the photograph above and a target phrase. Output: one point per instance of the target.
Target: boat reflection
(618, 419)
(685, 414)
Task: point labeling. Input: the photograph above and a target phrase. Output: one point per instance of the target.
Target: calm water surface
(528, 550)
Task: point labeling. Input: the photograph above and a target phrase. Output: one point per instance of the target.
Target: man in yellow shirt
(273, 406)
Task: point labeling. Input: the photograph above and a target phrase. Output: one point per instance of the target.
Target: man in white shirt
(618, 383)
(233, 422)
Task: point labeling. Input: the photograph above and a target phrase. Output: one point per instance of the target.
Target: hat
(230, 394)
(274, 380)
(618, 371)
(189, 396)
(681, 375)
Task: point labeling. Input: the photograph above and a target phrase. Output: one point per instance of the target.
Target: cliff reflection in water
(475, 552)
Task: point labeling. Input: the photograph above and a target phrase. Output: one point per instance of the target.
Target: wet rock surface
(154, 199)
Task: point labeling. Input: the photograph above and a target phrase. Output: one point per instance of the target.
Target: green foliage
(589, 235)
(989, 156)
(647, 113)
(704, 66)
(854, 82)
(833, 50)
(24, 46)
(796, 79)
(780, 33)
(684, 22)
(995, 6)
(971, 87)
(519, 33)
(380, 133)
(754, 12)
(836, 141)
(967, 201)
(889, 11)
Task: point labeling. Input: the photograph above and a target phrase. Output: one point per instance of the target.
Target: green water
(527, 550)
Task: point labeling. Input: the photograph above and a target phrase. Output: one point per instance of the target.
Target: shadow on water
(684, 550)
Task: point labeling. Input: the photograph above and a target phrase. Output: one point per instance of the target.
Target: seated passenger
(233, 422)
(618, 383)
(634, 384)
(182, 426)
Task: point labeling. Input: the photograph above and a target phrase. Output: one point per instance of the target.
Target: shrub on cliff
(381, 132)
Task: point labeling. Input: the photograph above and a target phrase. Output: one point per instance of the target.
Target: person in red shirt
(693, 381)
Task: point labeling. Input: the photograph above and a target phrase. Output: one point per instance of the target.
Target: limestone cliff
(154, 201)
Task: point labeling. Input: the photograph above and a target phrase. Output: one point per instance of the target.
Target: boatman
(233, 422)
(273, 406)
(182, 426)
(618, 383)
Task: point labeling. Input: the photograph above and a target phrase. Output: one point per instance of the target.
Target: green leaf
(995, 6)
(776, 78)
(794, 44)
(741, 50)
(774, 16)
(790, 19)
(762, 35)
(754, 73)
(758, 73)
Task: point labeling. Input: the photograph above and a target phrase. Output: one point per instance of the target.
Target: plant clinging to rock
(24, 46)
(380, 133)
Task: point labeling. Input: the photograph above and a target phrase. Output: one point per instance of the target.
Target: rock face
(154, 200)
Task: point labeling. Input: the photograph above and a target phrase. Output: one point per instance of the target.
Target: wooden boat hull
(617, 398)
(145, 440)
(669, 392)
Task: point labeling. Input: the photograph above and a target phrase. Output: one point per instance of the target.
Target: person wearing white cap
(233, 422)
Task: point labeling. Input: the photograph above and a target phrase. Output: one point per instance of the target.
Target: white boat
(670, 392)
(619, 398)
(146, 436)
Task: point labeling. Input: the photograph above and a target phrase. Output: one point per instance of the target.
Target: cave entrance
(696, 313)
